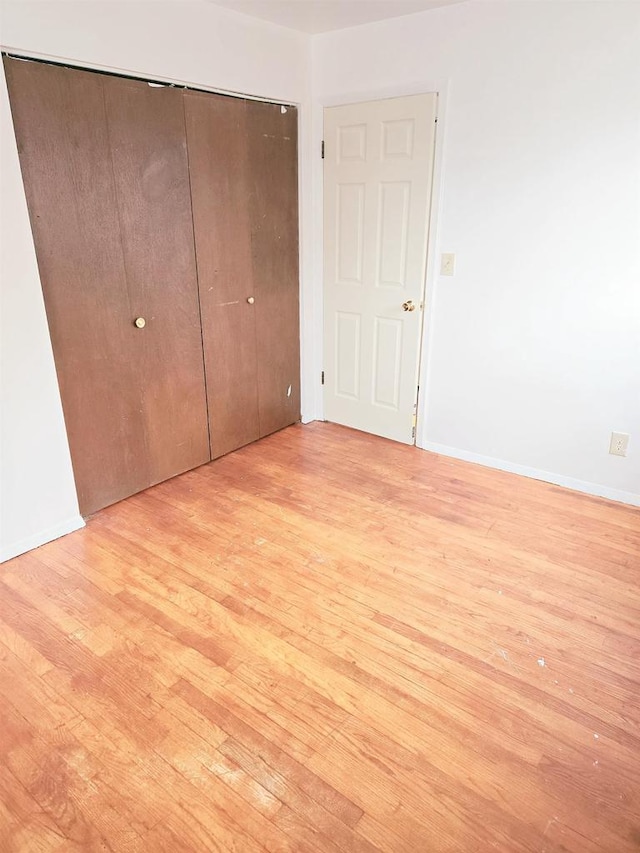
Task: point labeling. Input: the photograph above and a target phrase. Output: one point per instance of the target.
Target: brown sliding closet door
(273, 146)
(219, 168)
(105, 170)
(243, 166)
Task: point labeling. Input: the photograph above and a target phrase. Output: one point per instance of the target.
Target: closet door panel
(106, 176)
(219, 169)
(272, 132)
(148, 150)
(61, 129)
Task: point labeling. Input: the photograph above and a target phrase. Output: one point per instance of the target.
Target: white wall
(189, 42)
(533, 352)
(37, 492)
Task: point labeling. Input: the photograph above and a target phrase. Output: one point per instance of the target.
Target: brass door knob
(408, 306)
(139, 322)
(251, 300)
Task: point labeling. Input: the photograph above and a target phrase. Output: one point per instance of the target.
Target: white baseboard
(557, 479)
(41, 538)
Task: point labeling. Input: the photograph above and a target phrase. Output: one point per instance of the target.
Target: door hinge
(322, 378)
(322, 149)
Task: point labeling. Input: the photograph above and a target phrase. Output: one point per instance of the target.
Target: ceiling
(320, 16)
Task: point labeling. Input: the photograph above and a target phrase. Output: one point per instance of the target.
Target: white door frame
(441, 87)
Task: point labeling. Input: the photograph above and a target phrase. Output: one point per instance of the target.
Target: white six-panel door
(377, 190)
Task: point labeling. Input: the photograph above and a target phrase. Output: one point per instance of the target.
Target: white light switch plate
(447, 263)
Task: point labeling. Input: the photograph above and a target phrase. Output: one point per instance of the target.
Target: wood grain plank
(324, 794)
(24, 825)
(256, 656)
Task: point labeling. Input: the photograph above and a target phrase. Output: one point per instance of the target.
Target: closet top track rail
(152, 81)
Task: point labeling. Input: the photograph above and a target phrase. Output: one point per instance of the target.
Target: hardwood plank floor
(327, 642)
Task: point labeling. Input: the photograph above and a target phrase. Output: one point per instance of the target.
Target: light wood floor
(327, 642)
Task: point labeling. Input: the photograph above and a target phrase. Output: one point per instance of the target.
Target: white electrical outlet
(447, 263)
(619, 444)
